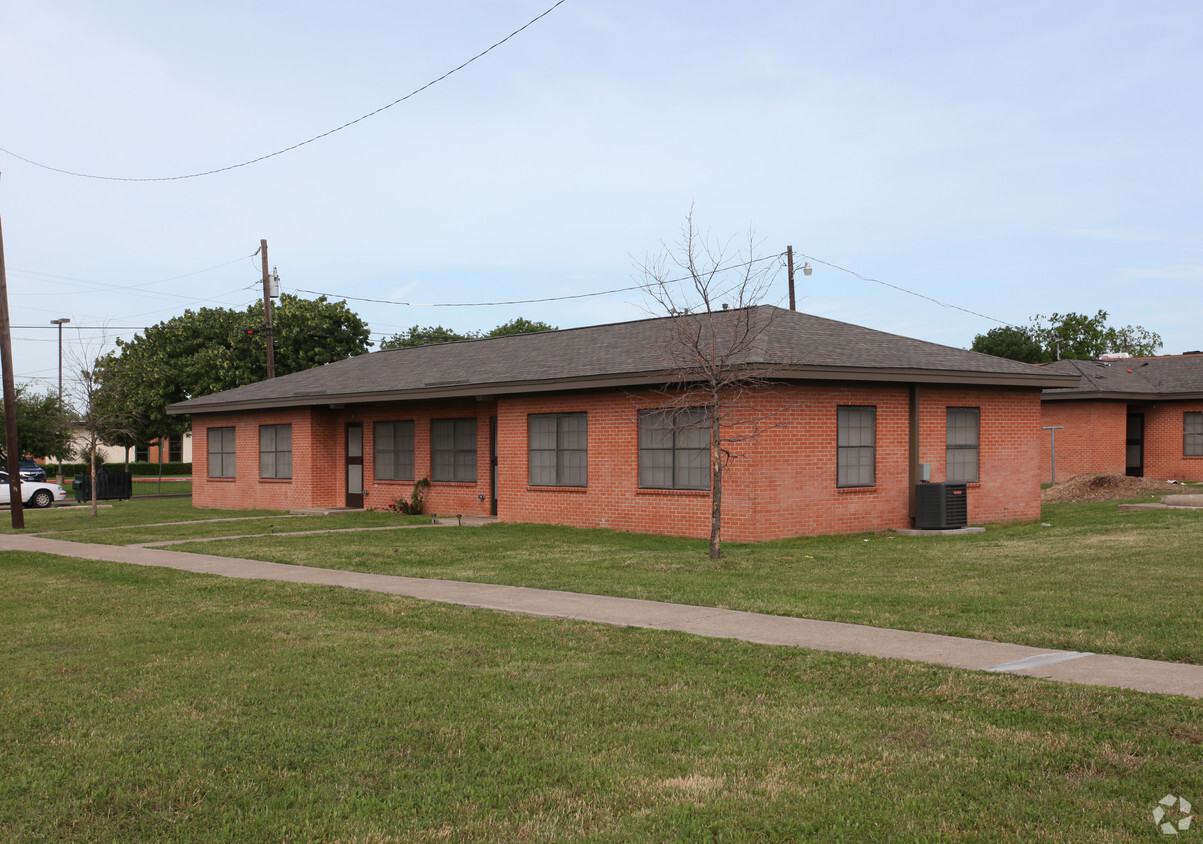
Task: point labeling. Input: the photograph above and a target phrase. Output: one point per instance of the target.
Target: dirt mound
(1099, 486)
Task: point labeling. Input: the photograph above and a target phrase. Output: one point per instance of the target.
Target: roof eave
(643, 379)
(1099, 395)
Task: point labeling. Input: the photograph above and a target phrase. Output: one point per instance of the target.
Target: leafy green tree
(426, 335)
(1067, 336)
(1012, 342)
(519, 325)
(431, 334)
(214, 349)
(1082, 337)
(43, 426)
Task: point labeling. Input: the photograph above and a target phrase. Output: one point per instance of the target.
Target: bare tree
(710, 292)
(101, 420)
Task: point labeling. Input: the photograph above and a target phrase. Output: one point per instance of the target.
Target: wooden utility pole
(267, 312)
(789, 257)
(10, 399)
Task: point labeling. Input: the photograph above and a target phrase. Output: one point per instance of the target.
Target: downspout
(913, 456)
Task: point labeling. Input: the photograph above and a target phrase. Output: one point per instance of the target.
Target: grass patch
(1093, 580)
(147, 704)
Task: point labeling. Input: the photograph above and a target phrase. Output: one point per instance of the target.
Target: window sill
(453, 483)
(221, 480)
(275, 480)
(688, 493)
(551, 488)
(855, 490)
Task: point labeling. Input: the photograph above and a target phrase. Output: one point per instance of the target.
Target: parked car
(31, 471)
(35, 494)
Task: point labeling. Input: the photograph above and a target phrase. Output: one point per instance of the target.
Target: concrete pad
(953, 532)
(972, 654)
(1186, 500)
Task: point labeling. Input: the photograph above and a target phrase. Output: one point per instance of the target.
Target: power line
(644, 286)
(900, 289)
(325, 134)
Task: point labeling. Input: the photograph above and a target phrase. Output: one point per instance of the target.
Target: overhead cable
(325, 134)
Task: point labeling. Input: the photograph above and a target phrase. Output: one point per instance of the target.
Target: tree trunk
(716, 488)
(95, 480)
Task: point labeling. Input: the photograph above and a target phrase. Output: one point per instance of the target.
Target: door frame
(354, 500)
(492, 465)
(1137, 471)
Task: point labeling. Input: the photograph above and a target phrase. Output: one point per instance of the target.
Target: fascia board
(473, 390)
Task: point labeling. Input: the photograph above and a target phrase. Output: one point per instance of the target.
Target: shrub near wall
(70, 470)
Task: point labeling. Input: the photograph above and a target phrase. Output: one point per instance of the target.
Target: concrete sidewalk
(972, 654)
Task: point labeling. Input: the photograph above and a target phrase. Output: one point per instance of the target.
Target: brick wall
(781, 483)
(319, 462)
(1164, 459)
(1093, 438)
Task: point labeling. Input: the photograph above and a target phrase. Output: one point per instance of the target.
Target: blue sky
(1006, 158)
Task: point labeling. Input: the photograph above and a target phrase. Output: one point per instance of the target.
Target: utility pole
(806, 270)
(267, 312)
(59, 322)
(789, 257)
(10, 400)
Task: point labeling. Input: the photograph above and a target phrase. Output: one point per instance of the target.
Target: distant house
(175, 450)
(568, 427)
(1136, 416)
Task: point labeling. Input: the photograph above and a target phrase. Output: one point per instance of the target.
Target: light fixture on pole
(59, 323)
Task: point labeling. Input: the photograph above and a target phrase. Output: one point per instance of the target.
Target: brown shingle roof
(791, 345)
(1176, 376)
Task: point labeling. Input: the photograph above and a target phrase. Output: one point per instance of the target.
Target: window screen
(557, 445)
(856, 446)
(394, 450)
(674, 449)
(275, 451)
(961, 453)
(453, 450)
(1192, 434)
(221, 452)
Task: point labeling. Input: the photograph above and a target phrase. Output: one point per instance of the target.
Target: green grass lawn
(1091, 580)
(153, 705)
(1086, 578)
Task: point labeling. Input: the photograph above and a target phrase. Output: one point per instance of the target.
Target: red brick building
(1136, 416)
(575, 427)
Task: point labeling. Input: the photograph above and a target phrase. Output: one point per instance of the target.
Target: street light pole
(59, 322)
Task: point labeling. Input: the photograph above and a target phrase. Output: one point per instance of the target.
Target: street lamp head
(59, 322)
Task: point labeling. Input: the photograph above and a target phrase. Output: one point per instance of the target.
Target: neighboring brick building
(1136, 416)
(571, 427)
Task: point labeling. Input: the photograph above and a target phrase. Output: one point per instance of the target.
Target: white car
(36, 494)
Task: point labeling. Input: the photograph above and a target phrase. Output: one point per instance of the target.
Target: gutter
(435, 392)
